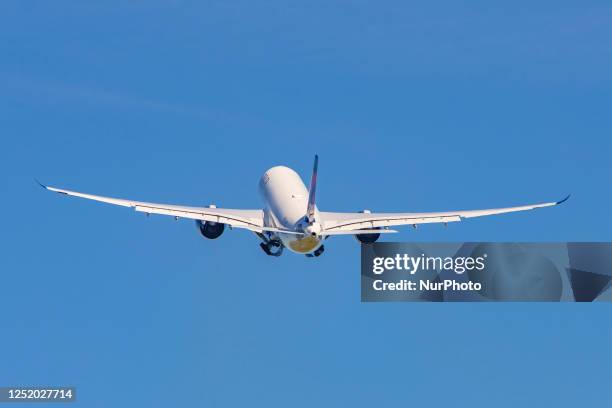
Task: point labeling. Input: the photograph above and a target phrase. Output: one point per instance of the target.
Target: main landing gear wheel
(272, 248)
(316, 253)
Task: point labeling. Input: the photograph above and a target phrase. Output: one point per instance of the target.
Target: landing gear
(316, 253)
(272, 247)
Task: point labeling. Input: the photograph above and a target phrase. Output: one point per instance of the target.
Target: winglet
(40, 184)
(313, 190)
(564, 200)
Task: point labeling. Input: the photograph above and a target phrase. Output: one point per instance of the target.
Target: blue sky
(411, 106)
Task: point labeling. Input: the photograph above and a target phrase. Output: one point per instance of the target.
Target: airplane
(291, 219)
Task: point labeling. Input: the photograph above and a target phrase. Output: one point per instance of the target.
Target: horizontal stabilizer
(281, 231)
(358, 232)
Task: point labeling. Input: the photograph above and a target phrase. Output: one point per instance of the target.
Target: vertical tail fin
(310, 211)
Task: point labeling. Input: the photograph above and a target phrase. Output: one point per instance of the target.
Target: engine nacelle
(210, 230)
(367, 238)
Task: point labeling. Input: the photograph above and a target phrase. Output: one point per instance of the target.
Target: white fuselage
(286, 200)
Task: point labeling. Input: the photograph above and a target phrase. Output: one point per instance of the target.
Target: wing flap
(221, 216)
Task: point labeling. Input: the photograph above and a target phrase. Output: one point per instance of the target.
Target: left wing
(334, 223)
(248, 219)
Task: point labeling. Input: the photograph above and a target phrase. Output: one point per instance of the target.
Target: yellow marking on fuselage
(304, 245)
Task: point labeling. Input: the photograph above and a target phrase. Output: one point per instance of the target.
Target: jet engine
(210, 230)
(367, 238)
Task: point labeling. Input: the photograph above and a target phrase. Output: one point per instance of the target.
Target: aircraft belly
(302, 245)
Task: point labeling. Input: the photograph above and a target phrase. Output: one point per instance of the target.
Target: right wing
(251, 220)
(338, 223)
